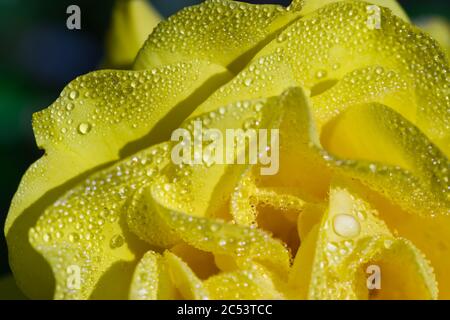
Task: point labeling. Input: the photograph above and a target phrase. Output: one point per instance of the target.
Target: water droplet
(346, 225)
(361, 215)
(282, 37)
(47, 237)
(258, 107)
(73, 94)
(379, 70)
(248, 82)
(321, 74)
(70, 106)
(116, 241)
(74, 237)
(331, 247)
(388, 244)
(84, 128)
(150, 172)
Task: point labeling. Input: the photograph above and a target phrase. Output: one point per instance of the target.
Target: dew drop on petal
(116, 241)
(73, 94)
(84, 128)
(346, 225)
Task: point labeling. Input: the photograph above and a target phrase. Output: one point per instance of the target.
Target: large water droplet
(321, 74)
(116, 241)
(84, 128)
(73, 94)
(346, 225)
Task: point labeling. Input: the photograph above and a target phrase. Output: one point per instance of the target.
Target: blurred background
(39, 56)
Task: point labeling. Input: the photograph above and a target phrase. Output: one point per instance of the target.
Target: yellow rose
(360, 98)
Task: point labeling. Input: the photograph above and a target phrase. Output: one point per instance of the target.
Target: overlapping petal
(421, 188)
(351, 239)
(85, 228)
(251, 284)
(321, 48)
(92, 124)
(216, 31)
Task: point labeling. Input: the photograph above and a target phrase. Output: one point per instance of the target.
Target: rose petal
(184, 279)
(90, 125)
(351, 238)
(151, 279)
(254, 283)
(224, 32)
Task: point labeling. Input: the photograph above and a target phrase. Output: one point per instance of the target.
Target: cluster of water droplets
(85, 223)
(227, 238)
(118, 102)
(218, 31)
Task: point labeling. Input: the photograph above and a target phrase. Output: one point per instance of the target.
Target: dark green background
(39, 56)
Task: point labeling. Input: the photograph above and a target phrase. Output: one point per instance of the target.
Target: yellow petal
(368, 84)
(225, 32)
(98, 114)
(151, 279)
(243, 201)
(184, 279)
(420, 191)
(296, 5)
(439, 29)
(88, 222)
(308, 181)
(400, 153)
(428, 233)
(413, 203)
(146, 224)
(99, 118)
(300, 273)
(322, 48)
(310, 216)
(132, 22)
(165, 277)
(254, 283)
(334, 40)
(223, 238)
(183, 187)
(312, 5)
(247, 196)
(351, 238)
(201, 262)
